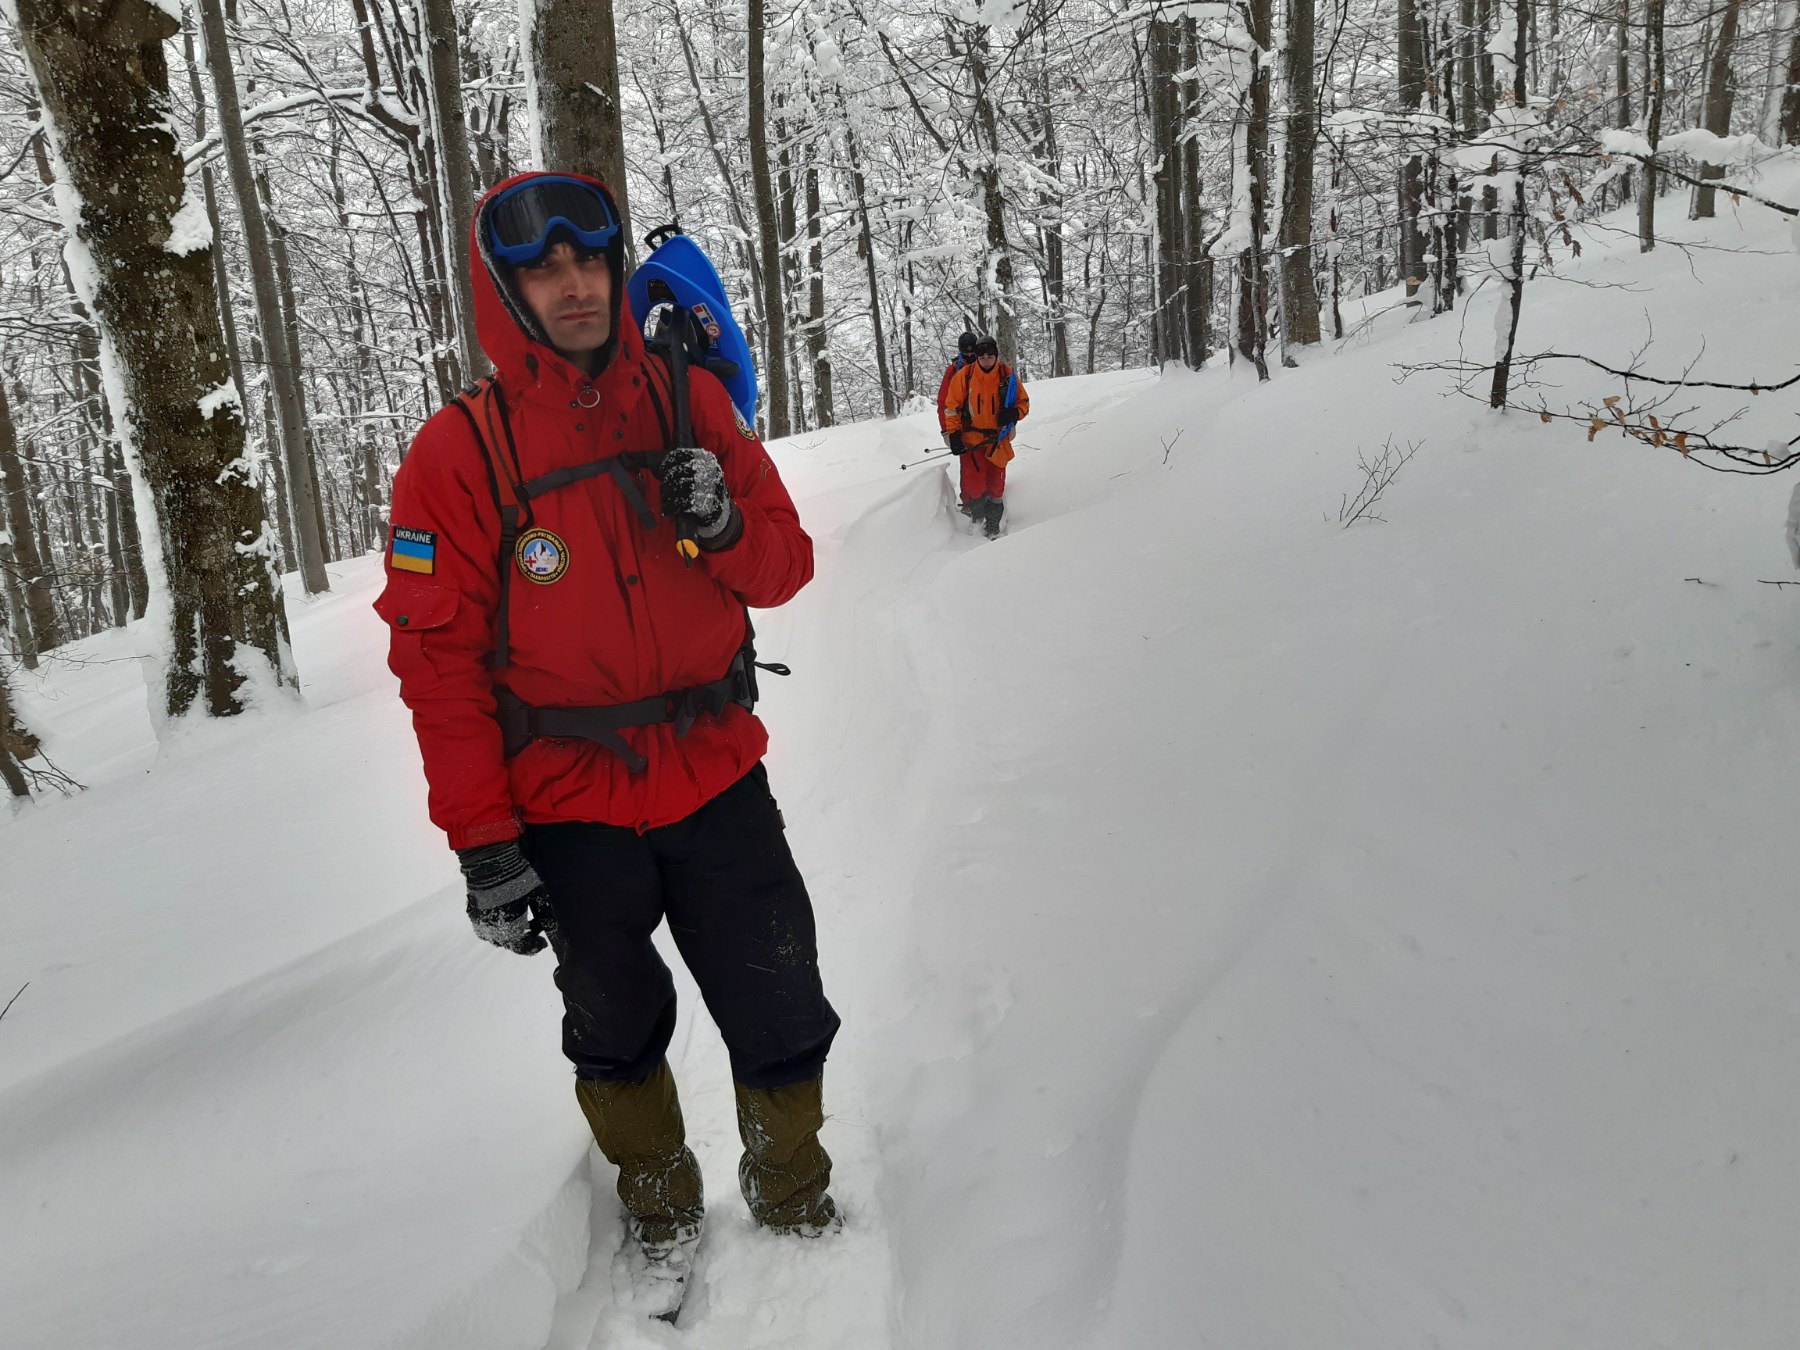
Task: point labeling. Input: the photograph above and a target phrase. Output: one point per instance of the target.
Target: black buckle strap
(521, 723)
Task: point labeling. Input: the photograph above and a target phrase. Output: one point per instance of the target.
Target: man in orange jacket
(982, 407)
(581, 691)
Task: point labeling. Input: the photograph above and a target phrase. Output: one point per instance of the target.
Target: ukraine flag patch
(413, 550)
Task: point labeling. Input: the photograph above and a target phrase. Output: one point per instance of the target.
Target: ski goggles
(987, 347)
(521, 219)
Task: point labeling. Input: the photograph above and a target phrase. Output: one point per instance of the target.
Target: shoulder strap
(662, 394)
(485, 407)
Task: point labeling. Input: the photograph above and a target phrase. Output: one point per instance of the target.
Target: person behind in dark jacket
(582, 704)
(965, 356)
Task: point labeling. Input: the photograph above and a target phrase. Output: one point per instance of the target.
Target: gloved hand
(953, 439)
(1007, 416)
(693, 485)
(506, 896)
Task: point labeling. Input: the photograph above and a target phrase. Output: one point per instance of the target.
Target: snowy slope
(1249, 932)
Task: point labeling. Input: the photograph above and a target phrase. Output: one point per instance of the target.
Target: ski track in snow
(1248, 932)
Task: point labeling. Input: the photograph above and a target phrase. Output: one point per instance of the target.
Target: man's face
(569, 292)
(988, 359)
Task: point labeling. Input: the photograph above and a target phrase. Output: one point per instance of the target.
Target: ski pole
(677, 320)
(941, 454)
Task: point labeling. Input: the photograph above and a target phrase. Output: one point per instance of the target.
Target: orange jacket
(972, 403)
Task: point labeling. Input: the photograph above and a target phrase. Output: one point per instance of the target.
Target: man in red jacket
(581, 692)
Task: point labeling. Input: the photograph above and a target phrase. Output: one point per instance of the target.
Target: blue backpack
(677, 272)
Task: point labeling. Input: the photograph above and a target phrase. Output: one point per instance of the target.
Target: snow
(223, 396)
(190, 229)
(1249, 932)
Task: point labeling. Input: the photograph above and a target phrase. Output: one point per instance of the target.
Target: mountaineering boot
(972, 507)
(785, 1170)
(991, 522)
(639, 1128)
(662, 1283)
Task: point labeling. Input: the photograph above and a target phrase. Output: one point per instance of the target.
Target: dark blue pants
(740, 916)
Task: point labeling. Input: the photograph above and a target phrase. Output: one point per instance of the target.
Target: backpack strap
(484, 406)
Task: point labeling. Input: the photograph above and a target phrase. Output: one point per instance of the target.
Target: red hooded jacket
(624, 619)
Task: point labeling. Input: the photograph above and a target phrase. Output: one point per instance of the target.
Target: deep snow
(1249, 932)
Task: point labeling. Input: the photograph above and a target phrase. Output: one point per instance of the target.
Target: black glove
(953, 439)
(693, 485)
(507, 901)
(1007, 416)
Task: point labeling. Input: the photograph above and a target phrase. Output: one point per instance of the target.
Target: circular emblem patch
(542, 556)
(744, 428)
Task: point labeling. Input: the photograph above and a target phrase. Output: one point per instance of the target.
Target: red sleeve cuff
(494, 832)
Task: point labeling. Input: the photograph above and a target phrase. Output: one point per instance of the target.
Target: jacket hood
(503, 324)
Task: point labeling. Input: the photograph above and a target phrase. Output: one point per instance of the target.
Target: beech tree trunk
(1197, 272)
(283, 363)
(105, 88)
(575, 116)
(39, 630)
(1166, 334)
(816, 346)
(1413, 74)
(1718, 101)
(998, 263)
(1654, 89)
(1299, 298)
(762, 183)
(450, 126)
(1253, 272)
(1515, 280)
(865, 249)
(16, 744)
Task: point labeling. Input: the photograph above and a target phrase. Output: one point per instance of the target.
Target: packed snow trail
(1248, 932)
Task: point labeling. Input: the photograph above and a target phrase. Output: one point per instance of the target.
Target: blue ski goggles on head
(521, 219)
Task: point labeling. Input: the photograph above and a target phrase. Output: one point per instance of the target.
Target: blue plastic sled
(678, 271)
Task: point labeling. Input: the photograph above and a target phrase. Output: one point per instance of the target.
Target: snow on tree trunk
(1197, 272)
(572, 83)
(140, 255)
(1520, 123)
(1655, 86)
(283, 361)
(997, 271)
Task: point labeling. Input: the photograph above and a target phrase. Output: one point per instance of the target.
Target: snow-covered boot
(785, 1170)
(661, 1285)
(639, 1128)
(990, 523)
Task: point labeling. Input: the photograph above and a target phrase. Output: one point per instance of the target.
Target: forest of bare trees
(233, 237)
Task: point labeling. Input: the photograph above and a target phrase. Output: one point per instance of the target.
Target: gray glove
(508, 904)
(693, 485)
